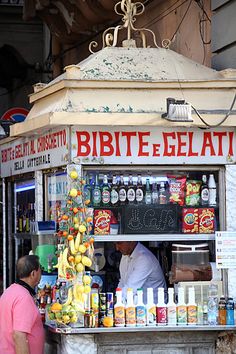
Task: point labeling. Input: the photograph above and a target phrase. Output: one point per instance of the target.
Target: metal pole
(4, 234)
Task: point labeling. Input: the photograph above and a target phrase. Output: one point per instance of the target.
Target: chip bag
(177, 189)
(193, 192)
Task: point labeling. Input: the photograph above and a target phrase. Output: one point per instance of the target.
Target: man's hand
(21, 342)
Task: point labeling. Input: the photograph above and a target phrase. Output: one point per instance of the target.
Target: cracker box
(206, 220)
(102, 220)
(189, 220)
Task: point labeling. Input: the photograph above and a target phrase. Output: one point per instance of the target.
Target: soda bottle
(222, 311)
(212, 190)
(204, 193)
(230, 312)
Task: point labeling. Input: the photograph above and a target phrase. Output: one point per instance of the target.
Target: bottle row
(25, 215)
(102, 311)
(150, 190)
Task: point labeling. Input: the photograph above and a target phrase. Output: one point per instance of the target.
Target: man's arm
(21, 342)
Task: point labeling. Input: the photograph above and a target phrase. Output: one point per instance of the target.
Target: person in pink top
(21, 327)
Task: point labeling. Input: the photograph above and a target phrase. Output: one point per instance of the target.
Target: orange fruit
(56, 307)
(108, 321)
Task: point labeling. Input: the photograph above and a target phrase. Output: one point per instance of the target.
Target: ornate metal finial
(128, 10)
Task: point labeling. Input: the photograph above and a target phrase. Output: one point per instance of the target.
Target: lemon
(80, 289)
(79, 267)
(66, 319)
(73, 174)
(82, 248)
(86, 279)
(82, 228)
(73, 192)
(78, 258)
(86, 261)
(73, 319)
(87, 289)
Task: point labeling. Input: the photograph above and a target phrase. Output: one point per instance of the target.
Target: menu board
(225, 250)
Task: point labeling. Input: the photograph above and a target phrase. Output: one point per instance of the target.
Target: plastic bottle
(191, 307)
(161, 309)
(200, 313)
(119, 310)
(212, 190)
(222, 311)
(171, 309)
(230, 312)
(141, 317)
(150, 308)
(130, 313)
(181, 308)
(212, 305)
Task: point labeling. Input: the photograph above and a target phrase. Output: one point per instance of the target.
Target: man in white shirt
(139, 268)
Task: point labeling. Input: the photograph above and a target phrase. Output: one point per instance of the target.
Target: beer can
(110, 302)
(102, 302)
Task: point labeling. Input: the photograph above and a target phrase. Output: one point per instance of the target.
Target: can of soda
(110, 302)
(102, 302)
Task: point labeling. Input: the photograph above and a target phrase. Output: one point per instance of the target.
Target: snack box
(189, 220)
(102, 220)
(206, 220)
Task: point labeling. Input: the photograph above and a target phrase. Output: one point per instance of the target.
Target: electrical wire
(178, 27)
(223, 120)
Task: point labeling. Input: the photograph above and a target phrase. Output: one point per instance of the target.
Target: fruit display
(75, 252)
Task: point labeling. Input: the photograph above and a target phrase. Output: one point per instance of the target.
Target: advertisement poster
(225, 250)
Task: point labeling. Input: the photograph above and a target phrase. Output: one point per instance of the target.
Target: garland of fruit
(75, 251)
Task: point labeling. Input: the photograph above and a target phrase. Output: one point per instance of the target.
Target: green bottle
(97, 195)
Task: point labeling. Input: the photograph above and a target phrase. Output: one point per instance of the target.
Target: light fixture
(178, 111)
(5, 128)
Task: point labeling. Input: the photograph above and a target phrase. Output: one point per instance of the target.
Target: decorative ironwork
(128, 10)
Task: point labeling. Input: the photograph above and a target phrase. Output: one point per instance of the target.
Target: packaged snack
(102, 220)
(193, 192)
(190, 220)
(177, 189)
(206, 220)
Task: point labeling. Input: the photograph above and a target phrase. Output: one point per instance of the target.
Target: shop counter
(144, 340)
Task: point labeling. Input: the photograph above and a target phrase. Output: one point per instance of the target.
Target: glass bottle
(154, 193)
(106, 193)
(148, 193)
(114, 192)
(122, 191)
(87, 191)
(204, 193)
(97, 195)
(162, 194)
(139, 191)
(42, 308)
(131, 191)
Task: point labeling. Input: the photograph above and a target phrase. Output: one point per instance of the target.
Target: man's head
(125, 247)
(28, 269)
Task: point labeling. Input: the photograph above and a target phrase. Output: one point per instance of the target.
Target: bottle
(27, 218)
(42, 308)
(212, 305)
(139, 191)
(87, 191)
(230, 312)
(162, 194)
(150, 308)
(181, 308)
(47, 308)
(205, 313)
(204, 192)
(222, 311)
(212, 190)
(130, 313)
(131, 191)
(161, 310)
(119, 310)
(171, 308)
(200, 314)
(114, 192)
(148, 193)
(97, 195)
(106, 194)
(154, 193)
(19, 219)
(141, 317)
(122, 191)
(191, 307)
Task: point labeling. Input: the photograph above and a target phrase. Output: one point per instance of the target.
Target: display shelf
(155, 237)
(69, 330)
